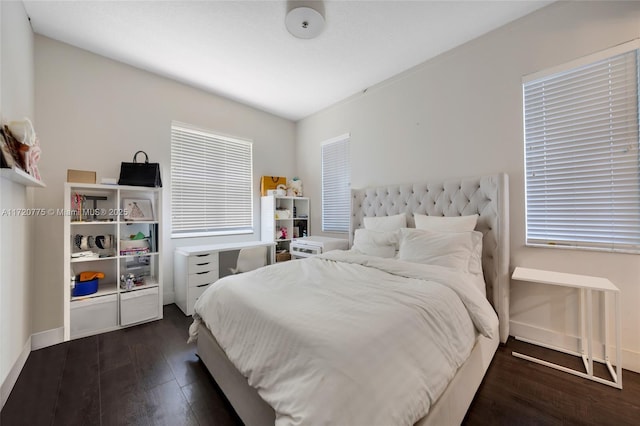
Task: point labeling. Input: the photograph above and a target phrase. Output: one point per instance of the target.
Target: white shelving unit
(274, 219)
(105, 218)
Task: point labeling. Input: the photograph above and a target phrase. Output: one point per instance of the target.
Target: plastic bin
(84, 288)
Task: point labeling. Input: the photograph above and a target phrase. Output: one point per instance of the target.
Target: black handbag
(140, 174)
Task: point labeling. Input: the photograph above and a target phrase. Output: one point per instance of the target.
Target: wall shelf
(21, 177)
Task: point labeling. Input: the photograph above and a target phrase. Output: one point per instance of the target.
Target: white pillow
(385, 223)
(375, 243)
(446, 223)
(450, 249)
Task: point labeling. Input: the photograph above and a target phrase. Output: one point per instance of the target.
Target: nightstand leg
(618, 378)
(590, 332)
(605, 332)
(582, 308)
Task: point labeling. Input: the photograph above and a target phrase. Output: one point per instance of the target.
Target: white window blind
(581, 154)
(336, 185)
(211, 183)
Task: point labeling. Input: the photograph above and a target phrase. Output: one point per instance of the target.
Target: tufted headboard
(487, 196)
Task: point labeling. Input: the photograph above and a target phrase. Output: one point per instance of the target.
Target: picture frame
(137, 209)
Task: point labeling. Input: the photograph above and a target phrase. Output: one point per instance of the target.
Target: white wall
(95, 113)
(16, 101)
(460, 115)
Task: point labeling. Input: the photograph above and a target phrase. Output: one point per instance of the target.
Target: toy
(283, 233)
(294, 187)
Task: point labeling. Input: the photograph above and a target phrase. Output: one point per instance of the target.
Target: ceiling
(241, 49)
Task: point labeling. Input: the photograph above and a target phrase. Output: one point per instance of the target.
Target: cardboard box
(283, 257)
(81, 176)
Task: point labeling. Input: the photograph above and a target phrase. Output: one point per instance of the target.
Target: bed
(486, 197)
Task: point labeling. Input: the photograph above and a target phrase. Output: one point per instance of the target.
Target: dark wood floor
(149, 375)
(142, 375)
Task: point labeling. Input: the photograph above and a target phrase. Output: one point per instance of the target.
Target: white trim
(208, 132)
(212, 233)
(585, 60)
(12, 377)
(336, 139)
(47, 338)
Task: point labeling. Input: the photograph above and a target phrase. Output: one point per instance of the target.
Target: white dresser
(195, 268)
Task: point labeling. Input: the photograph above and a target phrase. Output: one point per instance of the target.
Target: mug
(77, 240)
(104, 241)
(84, 242)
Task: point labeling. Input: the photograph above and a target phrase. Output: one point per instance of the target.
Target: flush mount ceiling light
(305, 19)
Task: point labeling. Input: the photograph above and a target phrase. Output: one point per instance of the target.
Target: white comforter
(345, 338)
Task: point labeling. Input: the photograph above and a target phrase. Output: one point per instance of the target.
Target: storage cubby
(283, 219)
(113, 230)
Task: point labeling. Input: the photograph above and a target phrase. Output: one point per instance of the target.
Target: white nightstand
(587, 285)
(313, 245)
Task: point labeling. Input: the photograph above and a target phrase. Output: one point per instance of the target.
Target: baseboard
(47, 338)
(630, 359)
(12, 377)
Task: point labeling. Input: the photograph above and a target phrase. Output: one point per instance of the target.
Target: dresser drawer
(203, 266)
(207, 277)
(197, 259)
(195, 293)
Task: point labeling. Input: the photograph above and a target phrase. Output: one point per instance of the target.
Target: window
(336, 185)
(581, 153)
(211, 183)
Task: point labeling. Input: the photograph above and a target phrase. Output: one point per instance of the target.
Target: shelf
(95, 222)
(91, 259)
(103, 290)
(150, 284)
(122, 256)
(138, 222)
(21, 177)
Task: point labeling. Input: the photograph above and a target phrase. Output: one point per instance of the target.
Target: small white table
(315, 244)
(587, 285)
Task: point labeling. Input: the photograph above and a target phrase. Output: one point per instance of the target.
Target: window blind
(336, 185)
(582, 158)
(211, 183)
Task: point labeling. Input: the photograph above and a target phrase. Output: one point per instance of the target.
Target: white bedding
(344, 338)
